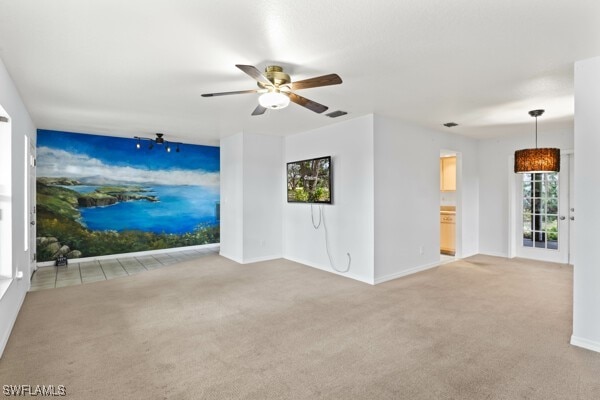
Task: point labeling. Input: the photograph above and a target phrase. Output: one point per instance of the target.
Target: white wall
(350, 218)
(252, 170)
(22, 125)
(263, 197)
(232, 200)
(586, 289)
(407, 197)
(495, 167)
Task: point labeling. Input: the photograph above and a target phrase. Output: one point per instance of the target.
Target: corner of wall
(407, 197)
(349, 219)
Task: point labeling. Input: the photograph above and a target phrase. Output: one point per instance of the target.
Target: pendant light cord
(536, 132)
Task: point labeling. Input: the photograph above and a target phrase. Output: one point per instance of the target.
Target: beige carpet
(483, 328)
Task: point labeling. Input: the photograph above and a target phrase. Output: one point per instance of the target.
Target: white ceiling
(136, 67)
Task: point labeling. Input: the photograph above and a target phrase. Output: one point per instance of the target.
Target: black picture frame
(323, 179)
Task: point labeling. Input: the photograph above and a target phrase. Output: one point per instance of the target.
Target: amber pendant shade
(537, 160)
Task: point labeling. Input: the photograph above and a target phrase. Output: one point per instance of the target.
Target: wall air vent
(3, 119)
(450, 124)
(336, 114)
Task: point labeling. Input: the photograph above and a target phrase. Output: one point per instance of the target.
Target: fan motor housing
(275, 74)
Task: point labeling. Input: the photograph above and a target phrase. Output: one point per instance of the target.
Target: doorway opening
(449, 193)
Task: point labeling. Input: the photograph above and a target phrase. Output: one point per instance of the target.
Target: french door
(545, 214)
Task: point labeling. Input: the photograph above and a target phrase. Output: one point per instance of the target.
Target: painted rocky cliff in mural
(98, 195)
(106, 196)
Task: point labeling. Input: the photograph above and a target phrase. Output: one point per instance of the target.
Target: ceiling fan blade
(304, 102)
(253, 72)
(325, 80)
(259, 110)
(236, 92)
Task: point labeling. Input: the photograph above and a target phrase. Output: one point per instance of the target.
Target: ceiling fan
(278, 89)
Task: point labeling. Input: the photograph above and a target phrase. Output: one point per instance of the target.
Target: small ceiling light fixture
(538, 160)
(450, 124)
(274, 100)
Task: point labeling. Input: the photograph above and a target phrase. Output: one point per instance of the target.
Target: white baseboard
(585, 343)
(409, 271)
(232, 258)
(493, 254)
(328, 269)
(260, 259)
(136, 254)
(249, 260)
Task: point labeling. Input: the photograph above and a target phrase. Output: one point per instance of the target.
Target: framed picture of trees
(309, 181)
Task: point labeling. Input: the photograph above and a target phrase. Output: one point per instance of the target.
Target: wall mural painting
(99, 195)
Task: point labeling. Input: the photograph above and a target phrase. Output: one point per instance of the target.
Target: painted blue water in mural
(180, 209)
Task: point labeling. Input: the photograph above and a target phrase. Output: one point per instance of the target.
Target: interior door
(543, 215)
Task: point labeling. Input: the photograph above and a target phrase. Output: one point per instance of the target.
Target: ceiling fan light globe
(274, 100)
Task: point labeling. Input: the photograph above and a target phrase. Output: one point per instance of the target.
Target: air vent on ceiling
(336, 114)
(450, 124)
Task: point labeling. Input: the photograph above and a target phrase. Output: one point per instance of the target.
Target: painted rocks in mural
(99, 195)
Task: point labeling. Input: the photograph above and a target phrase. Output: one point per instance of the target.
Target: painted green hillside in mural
(60, 230)
(99, 196)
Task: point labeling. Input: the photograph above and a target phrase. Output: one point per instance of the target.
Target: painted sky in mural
(102, 159)
(100, 195)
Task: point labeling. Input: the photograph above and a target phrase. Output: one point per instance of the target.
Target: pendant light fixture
(537, 160)
(159, 140)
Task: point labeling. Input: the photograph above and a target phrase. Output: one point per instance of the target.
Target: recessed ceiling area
(139, 67)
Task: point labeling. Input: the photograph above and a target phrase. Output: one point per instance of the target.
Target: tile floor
(92, 271)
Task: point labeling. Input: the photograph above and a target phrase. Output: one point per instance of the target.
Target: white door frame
(513, 199)
(32, 203)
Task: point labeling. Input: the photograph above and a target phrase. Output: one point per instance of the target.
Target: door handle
(562, 217)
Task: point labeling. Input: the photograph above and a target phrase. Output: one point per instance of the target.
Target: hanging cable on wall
(312, 218)
(316, 226)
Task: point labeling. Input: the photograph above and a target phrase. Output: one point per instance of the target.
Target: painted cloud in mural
(58, 163)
